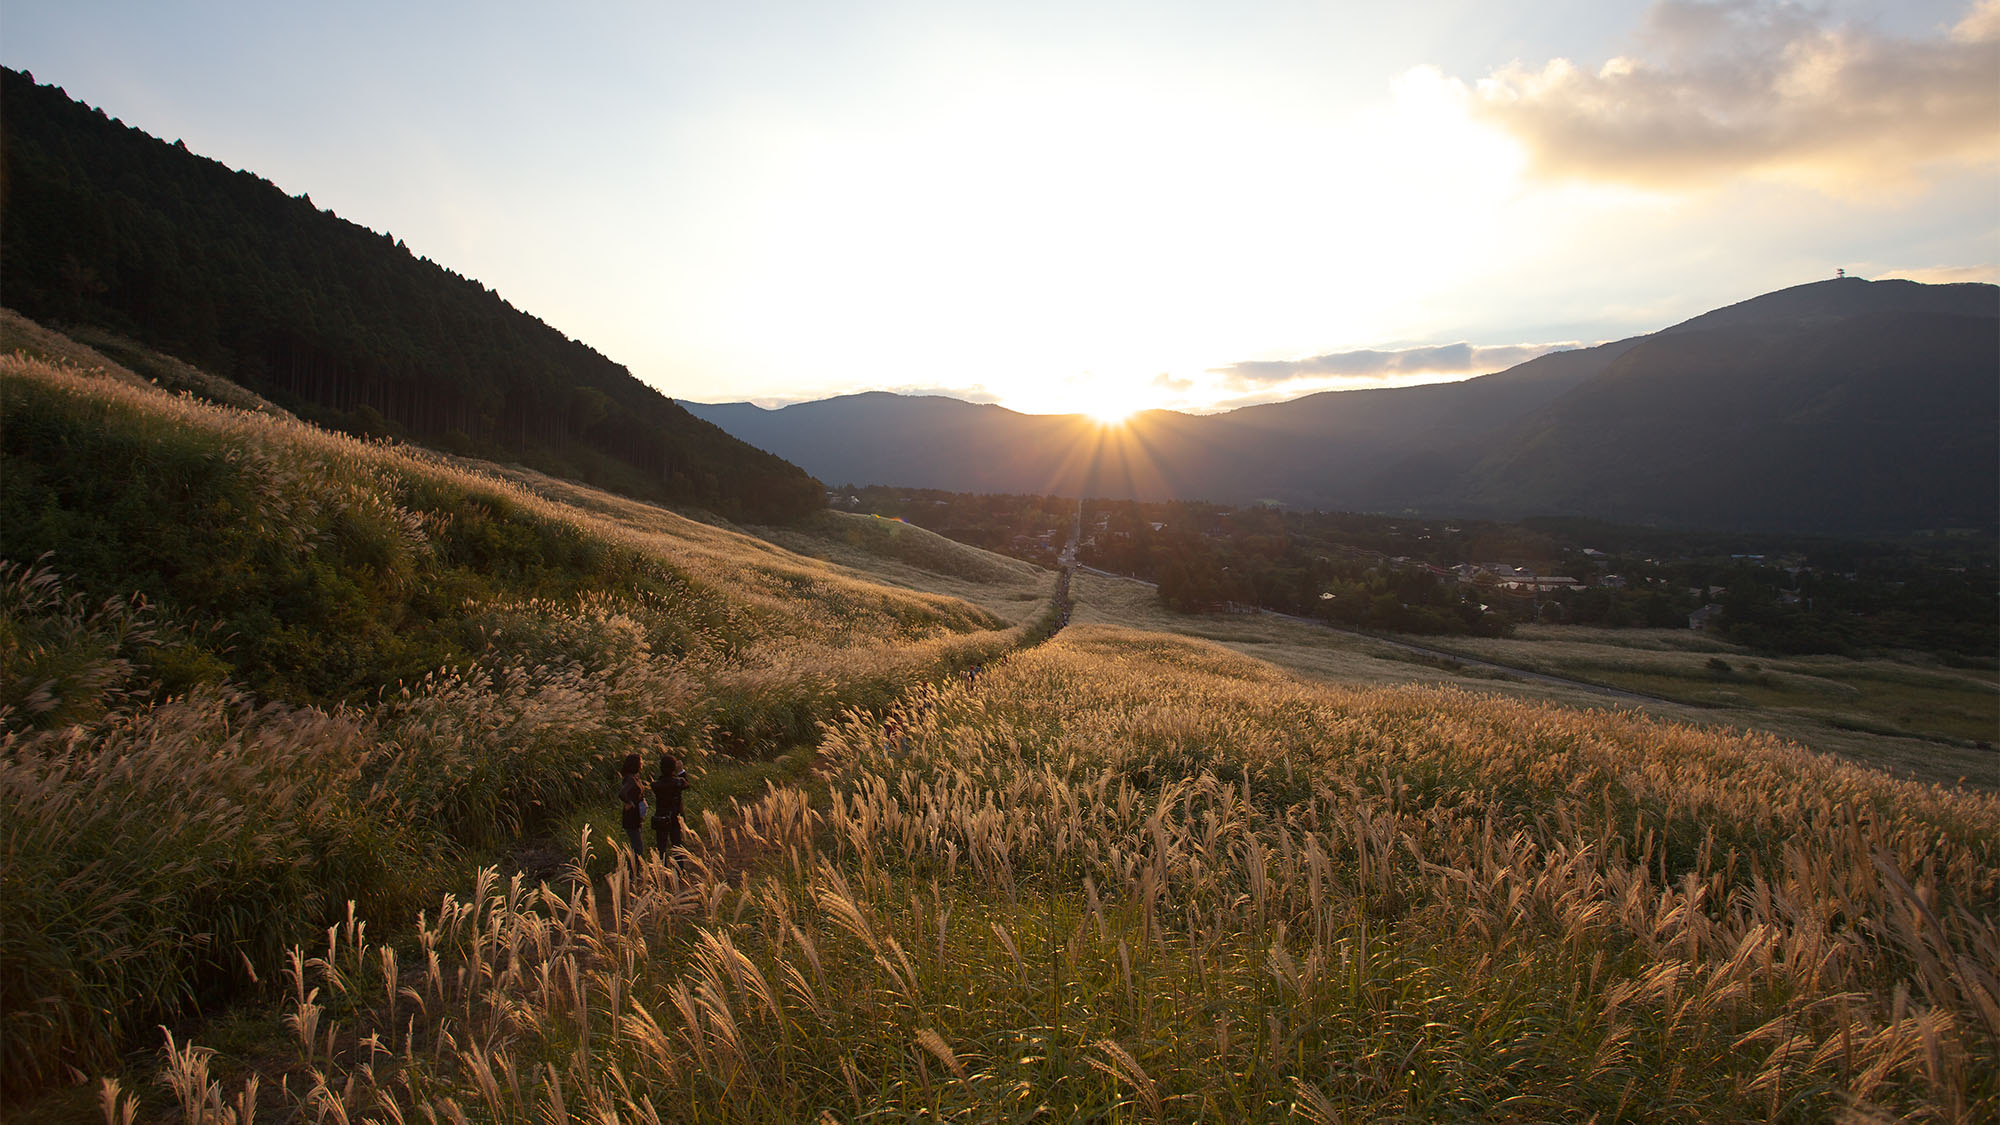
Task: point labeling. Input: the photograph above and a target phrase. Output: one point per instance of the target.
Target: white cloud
(975, 393)
(1947, 275)
(1754, 86)
(1359, 367)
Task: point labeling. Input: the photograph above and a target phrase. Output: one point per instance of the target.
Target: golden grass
(1129, 876)
(1910, 715)
(1819, 701)
(21, 336)
(161, 854)
(906, 555)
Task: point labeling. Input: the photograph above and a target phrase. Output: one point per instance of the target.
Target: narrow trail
(720, 850)
(723, 854)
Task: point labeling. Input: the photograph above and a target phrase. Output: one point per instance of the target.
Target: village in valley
(1404, 573)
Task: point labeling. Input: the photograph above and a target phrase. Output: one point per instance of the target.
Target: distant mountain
(102, 225)
(1843, 407)
(1324, 449)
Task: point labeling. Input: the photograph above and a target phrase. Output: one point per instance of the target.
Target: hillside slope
(1350, 449)
(1118, 874)
(104, 225)
(251, 670)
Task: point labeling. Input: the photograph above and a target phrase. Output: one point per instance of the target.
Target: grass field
(1913, 716)
(1134, 877)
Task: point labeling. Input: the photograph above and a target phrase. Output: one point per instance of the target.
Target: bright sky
(1079, 206)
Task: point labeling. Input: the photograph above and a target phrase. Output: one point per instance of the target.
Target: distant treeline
(1357, 571)
(1777, 592)
(104, 225)
(1937, 593)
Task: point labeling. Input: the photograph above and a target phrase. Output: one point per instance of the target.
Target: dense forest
(106, 226)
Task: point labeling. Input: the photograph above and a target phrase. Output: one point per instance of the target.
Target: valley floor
(1912, 717)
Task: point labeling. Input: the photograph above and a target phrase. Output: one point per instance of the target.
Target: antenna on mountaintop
(1840, 273)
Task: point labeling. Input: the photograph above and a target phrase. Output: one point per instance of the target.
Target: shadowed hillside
(103, 225)
(1843, 406)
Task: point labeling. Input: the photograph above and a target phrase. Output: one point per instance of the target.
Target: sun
(1105, 404)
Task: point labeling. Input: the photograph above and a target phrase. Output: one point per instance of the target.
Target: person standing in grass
(632, 802)
(667, 790)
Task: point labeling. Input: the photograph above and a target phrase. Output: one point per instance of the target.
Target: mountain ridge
(1842, 406)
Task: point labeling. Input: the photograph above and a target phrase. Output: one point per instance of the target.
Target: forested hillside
(104, 225)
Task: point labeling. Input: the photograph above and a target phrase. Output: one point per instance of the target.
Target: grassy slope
(903, 554)
(363, 660)
(1128, 876)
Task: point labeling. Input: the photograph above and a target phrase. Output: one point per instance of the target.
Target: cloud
(1947, 275)
(976, 393)
(1442, 359)
(1754, 86)
(1260, 398)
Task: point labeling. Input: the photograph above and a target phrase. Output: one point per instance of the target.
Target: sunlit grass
(1915, 718)
(1143, 878)
(162, 847)
(1908, 713)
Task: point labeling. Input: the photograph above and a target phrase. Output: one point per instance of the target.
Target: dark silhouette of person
(632, 804)
(667, 790)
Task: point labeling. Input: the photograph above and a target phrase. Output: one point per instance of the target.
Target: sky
(1090, 207)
